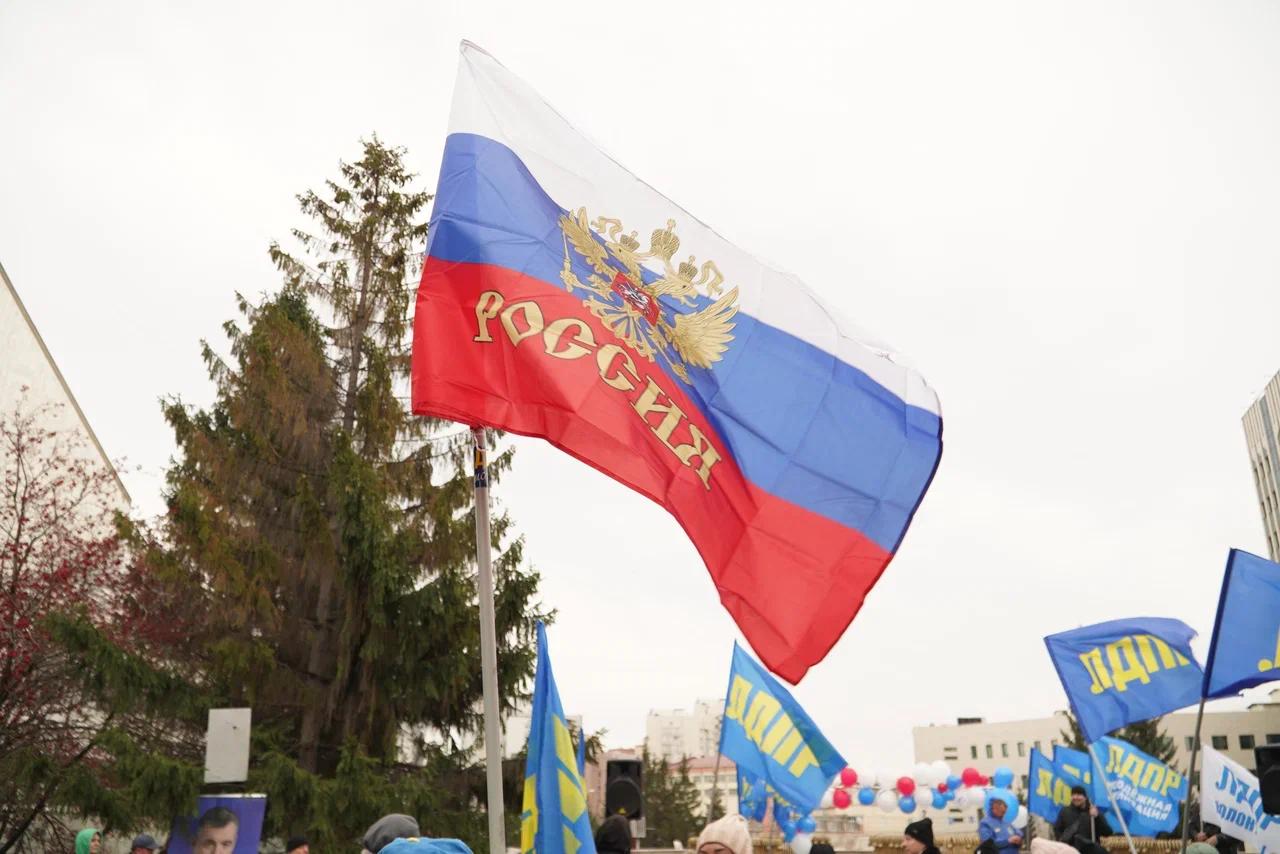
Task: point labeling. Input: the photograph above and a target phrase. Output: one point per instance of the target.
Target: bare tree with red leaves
(76, 679)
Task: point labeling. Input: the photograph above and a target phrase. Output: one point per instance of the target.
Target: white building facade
(1262, 435)
(673, 733)
(972, 742)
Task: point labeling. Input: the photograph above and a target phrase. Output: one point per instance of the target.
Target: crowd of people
(1079, 829)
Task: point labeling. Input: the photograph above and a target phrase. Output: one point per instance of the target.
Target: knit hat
(1079, 790)
(425, 845)
(388, 829)
(921, 831)
(144, 840)
(614, 835)
(731, 832)
(294, 842)
(821, 848)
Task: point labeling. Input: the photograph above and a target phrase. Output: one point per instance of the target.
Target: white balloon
(1020, 820)
(801, 843)
(923, 774)
(886, 779)
(977, 796)
(941, 771)
(887, 800)
(961, 800)
(828, 799)
(923, 796)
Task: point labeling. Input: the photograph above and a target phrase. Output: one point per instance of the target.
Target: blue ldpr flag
(554, 817)
(582, 753)
(1122, 671)
(1147, 791)
(1245, 650)
(1047, 791)
(771, 738)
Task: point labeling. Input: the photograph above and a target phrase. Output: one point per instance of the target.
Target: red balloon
(942, 787)
(848, 777)
(971, 777)
(840, 798)
(906, 785)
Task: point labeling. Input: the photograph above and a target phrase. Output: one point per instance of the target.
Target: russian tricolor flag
(564, 298)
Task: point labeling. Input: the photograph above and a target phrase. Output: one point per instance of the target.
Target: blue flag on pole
(1245, 650)
(1147, 791)
(554, 817)
(1047, 790)
(770, 737)
(1124, 671)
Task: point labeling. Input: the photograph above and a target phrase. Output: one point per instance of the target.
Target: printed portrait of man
(216, 832)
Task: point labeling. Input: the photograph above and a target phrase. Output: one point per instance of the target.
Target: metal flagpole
(715, 775)
(1115, 807)
(488, 649)
(1191, 778)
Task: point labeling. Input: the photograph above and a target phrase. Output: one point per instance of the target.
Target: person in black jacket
(1213, 835)
(614, 836)
(918, 838)
(1079, 824)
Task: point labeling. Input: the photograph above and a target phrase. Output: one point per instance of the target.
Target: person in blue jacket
(994, 828)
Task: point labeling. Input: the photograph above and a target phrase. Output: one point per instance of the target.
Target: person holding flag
(1080, 825)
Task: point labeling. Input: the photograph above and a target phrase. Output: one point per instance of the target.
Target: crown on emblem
(629, 242)
(663, 242)
(687, 269)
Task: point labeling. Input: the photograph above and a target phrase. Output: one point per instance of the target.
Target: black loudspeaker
(1267, 759)
(624, 788)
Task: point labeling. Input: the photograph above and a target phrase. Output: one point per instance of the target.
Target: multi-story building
(972, 742)
(708, 776)
(1262, 434)
(30, 379)
(672, 733)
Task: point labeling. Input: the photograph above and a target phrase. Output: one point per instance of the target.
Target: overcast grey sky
(1065, 213)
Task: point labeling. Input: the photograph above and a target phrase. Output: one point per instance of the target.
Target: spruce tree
(328, 533)
(671, 802)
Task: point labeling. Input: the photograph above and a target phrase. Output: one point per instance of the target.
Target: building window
(1273, 738)
(1025, 782)
(989, 753)
(1246, 742)
(973, 750)
(1191, 742)
(1037, 745)
(1004, 750)
(1022, 748)
(1219, 742)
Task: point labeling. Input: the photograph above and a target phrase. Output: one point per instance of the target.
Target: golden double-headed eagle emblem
(633, 309)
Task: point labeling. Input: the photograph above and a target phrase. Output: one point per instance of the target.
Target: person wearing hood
(728, 835)
(918, 838)
(88, 841)
(614, 836)
(996, 828)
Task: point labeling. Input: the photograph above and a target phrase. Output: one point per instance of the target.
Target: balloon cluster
(928, 786)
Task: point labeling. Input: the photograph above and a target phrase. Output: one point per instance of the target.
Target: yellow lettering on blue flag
(554, 818)
(770, 737)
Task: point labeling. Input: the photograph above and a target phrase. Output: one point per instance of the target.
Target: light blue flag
(1048, 791)
(1123, 671)
(1147, 791)
(770, 737)
(554, 818)
(1076, 768)
(582, 753)
(1245, 650)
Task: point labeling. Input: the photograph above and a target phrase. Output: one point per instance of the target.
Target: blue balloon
(866, 796)
(788, 831)
(781, 813)
(1003, 778)
(907, 803)
(950, 794)
(807, 825)
(953, 783)
(940, 800)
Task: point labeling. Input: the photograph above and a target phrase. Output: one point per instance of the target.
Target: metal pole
(1191, 777)
(488, 649)
(715, 775)
(1115, 807)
